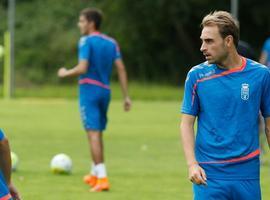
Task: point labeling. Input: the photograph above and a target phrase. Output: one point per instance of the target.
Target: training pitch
(142, 151)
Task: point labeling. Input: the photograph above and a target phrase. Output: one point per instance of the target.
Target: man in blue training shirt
(225, 94)
(97, 54)
(265, 55)
(7, 189)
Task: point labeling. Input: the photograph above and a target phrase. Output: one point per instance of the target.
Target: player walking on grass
(7, 189)
(97, 54)
(225, 93)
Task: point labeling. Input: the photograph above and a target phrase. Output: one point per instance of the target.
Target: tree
(159, 39)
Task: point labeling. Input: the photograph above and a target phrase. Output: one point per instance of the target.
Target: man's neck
(233, 60)
(92, 31)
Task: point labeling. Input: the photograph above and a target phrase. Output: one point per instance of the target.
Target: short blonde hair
(227, 25)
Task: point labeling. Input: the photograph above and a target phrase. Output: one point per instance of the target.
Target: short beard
(220, 61)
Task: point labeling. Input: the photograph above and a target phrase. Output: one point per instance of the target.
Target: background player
(226, 93)
(265, 54)
(7, 189)
(97, 54)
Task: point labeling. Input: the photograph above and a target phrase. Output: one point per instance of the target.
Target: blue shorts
(94, 103)
(228, 190)
(4, 192)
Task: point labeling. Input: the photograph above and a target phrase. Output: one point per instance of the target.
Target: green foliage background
(159, 39)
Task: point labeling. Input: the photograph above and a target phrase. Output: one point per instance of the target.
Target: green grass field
(143, 153)
(138, 91)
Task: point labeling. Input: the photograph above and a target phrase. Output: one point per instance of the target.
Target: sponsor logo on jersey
(207, 74)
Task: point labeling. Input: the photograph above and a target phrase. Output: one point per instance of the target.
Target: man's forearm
(80, 68)
(76, 71)
(122, 75)
(5, 160)
(187, 137)
(123, 83)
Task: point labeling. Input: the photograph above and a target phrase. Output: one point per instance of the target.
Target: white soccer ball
(61, 164)
(14, 161)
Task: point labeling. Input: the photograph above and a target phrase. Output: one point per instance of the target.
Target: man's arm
(79, 69)
(263, 58)
(196, 173)
(187, 136)
(267, 130)
(5, 161)
(122, 75)
(5, 166)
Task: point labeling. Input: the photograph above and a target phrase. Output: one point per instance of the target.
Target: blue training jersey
(266, 49)
(100, 51)
(227, 105)
(4, 192)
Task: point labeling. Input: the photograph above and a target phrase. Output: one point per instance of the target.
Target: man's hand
(14, 192)
(197, 174)
(62, 72)
(127, 104)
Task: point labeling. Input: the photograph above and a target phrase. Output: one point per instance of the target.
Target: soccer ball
(61, 164)
(14, 161)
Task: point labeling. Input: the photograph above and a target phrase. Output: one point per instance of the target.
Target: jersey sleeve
(265, 100)
(117, 54)
(2, 136)
(190, 103)
(84, 49)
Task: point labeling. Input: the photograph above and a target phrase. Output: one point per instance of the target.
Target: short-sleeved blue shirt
(100, 51)
(227, 104)
(266, 49)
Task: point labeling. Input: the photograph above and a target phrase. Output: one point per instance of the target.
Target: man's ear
(229, 41)
(91, 25)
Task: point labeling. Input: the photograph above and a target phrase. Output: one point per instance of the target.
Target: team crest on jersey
(245, 91)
